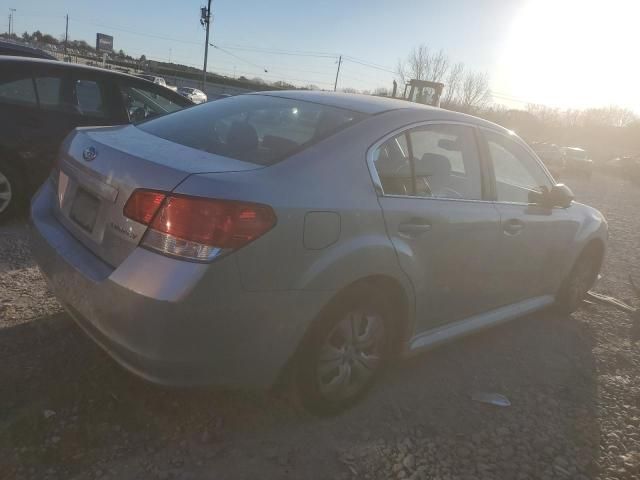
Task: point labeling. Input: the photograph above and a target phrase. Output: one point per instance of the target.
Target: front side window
(145, 103)
(260, 129)
(517, 172)
(436, 161)
(17, 89)
(90, 98)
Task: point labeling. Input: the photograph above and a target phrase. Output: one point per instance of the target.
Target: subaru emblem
(90, 154)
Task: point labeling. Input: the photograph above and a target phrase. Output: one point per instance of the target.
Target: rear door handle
(414, 228)
(513, 226)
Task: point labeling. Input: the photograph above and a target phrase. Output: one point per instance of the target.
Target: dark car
(577, 161)
(41, 101)
(17, 50)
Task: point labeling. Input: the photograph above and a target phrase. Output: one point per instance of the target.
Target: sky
(562, 53)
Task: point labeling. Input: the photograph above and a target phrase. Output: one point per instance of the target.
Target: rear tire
(11, 191)
(582, 277)
(344, 353)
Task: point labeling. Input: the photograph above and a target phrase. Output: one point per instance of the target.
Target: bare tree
(349, 90)
(475, 91)
(452, 85)
(611, 116)
(423, 64)
(381, 92)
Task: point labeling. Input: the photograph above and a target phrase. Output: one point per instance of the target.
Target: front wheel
(10, 189)
(582, 277)
(344, 354)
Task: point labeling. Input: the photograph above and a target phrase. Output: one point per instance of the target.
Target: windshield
(260, 129)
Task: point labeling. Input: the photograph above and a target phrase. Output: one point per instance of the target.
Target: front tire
(344, 353)
(11, 188)
(582, 277)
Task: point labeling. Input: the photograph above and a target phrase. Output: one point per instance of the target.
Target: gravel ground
(66, 411)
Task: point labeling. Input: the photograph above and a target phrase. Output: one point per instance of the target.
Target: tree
(36, 36)
(50, 39)
(349, 90)
(26, 37)
(423, 64)
(452, 85)
(143, 58)
(258, 80)
(381, 92)
(475, 91)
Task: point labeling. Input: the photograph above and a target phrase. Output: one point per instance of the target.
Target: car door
(534, 238)
(445, 232)
(34, 120)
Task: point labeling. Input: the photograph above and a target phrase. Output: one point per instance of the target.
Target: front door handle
(414, 228)
(513, 226)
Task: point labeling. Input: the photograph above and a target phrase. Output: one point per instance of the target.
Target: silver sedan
(311, 233)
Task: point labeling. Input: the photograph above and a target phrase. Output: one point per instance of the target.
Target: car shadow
(542, 363)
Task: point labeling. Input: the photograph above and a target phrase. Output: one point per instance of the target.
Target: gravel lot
(67, 411)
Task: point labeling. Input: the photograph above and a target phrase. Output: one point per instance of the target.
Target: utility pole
(335, 85)
(205, 21)
(66, 36)
(11, 12)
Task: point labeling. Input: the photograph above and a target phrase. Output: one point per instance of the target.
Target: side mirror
(559, 196)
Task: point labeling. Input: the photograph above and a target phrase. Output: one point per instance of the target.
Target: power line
(239, 58)
(370, 65)
(133, 32)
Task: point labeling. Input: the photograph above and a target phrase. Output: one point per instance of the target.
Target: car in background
(577, 161)
(18, 50)
(193, 94)
(157, 80)
(627, 166)
(41, 101)
(304, 235)
(551, 155)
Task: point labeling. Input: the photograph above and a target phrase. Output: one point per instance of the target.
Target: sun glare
(573, 54)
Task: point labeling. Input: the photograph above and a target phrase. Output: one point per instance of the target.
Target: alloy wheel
(350, 356)
(5, 192)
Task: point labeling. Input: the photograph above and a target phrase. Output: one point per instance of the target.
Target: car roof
(373, 105)
(4, 60)
(24, 51)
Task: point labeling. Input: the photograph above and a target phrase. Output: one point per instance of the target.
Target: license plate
(84, 210)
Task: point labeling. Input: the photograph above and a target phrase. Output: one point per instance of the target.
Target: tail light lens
(197, 228)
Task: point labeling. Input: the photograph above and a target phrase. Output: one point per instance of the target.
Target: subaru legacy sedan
(311, 233)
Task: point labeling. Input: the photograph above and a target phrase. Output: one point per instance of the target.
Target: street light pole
(205, 20)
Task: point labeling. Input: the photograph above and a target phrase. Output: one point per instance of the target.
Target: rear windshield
(254, 128)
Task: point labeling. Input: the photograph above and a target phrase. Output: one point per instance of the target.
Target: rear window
(254, 128)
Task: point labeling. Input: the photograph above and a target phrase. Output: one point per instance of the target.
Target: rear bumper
(168, 321)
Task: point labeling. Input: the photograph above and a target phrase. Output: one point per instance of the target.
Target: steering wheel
(137, 114)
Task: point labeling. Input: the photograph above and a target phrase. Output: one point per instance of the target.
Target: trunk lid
(100, 167)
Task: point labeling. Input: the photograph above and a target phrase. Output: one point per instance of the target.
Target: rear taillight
(197, 228)
(143, 205)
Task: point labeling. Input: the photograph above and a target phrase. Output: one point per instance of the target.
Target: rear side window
(49, 91)
(89, 96)
(18, 90)
(434, 161)
(255, 128)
